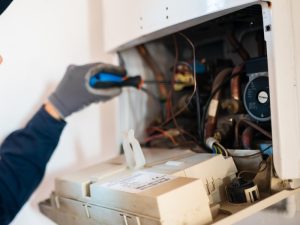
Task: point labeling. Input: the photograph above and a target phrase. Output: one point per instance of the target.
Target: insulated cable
(208, 103)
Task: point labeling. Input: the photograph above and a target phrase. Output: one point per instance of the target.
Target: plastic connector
(133, 152)
(210, 142)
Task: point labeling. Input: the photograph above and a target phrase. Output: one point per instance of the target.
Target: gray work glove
(74, 92)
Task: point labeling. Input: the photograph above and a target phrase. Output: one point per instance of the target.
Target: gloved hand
(74, 92)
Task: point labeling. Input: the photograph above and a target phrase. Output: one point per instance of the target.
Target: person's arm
(24, 153)
(23, 158)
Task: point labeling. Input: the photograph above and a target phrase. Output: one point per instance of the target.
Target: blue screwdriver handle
(104, 80)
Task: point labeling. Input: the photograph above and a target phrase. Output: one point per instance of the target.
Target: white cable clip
(133, 152)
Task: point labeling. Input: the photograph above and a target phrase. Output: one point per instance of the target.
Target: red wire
(163, 134)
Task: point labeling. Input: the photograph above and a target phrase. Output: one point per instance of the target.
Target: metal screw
(268, 28)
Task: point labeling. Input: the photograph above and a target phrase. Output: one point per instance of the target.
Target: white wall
(38, 39)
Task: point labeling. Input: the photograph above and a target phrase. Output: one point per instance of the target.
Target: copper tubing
(247, 137)
(219, 80)
(159, 76)
(238, 46)
(210, 126)
(211, 122)
(235, 86)
(251, 124)
(258, 128)
(233, 105)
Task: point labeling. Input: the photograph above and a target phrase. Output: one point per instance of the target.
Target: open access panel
(217, 117)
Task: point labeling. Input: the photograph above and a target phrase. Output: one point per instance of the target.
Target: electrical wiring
(143, 89)
(259, 170)
(171, 115)
(164, 82)
(152, 64)
(168, 108)
(214, 150)
(251, 124)
(225, 82)
(174, 115)
(252, 155)
(218, 150)
(221, 149)
(169, 105)
(149, 93)
(216, 147)
(195, 90)
(154, 137)
(153, 96)
(198, 93)
(194, 65)
(166, 134)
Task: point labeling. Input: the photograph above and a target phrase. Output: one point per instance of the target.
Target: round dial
(257, 98)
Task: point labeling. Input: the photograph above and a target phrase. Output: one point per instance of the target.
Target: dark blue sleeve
(23, 158)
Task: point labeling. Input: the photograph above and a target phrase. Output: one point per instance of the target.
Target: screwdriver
(105, 80)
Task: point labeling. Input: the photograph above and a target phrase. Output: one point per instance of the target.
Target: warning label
(139, 181)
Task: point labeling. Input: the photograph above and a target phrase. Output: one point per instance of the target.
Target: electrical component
(210, 142)
(176, 187)
(215, 146)
(242, 191)
(256, 97)
(184, 76)
(256, 92)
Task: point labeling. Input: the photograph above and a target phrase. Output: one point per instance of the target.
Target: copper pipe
(211, 122)
(210, 126)
(251, 124)
(159, 76)
(238, 46)
(247, 137)
(219, 80)
(235, 86)
(233, 105)
(258, 128)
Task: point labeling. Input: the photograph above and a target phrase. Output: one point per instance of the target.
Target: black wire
(251, 155)
(121, 60)
(165, 82)
(149, 93)
(266, 148)
(208, 103)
